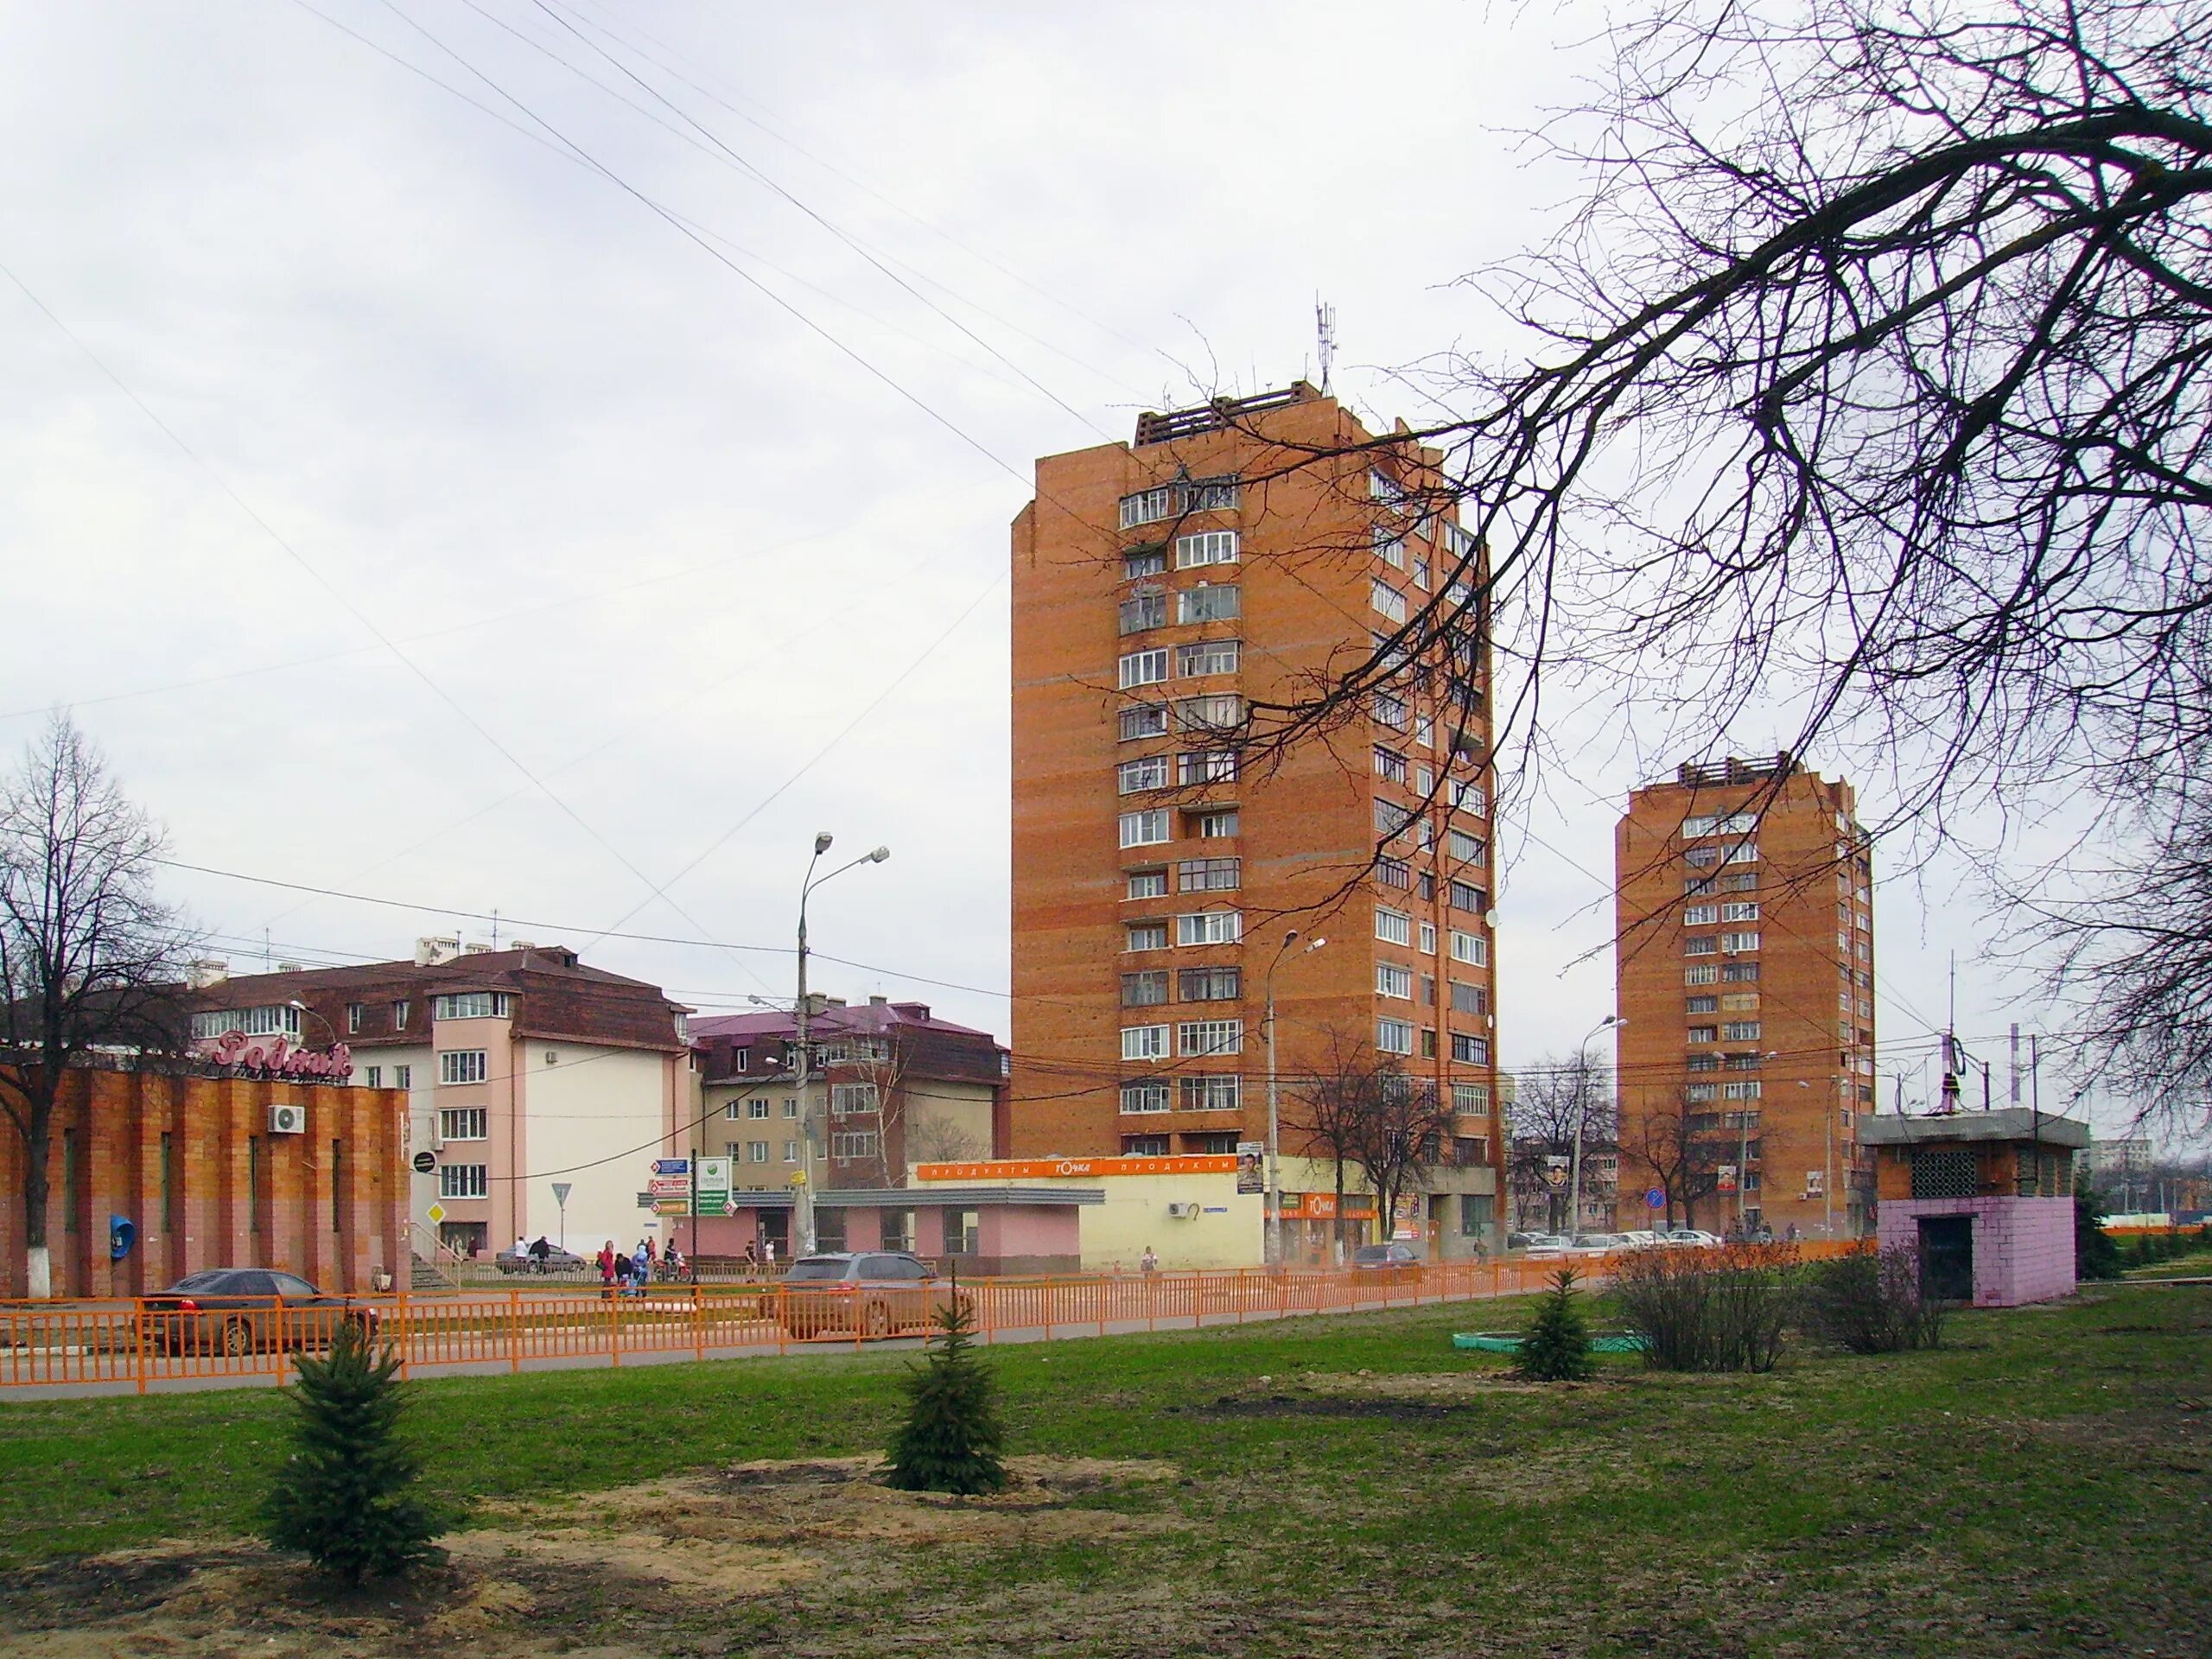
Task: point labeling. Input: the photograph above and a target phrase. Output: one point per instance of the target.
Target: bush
(1713, 1310)
(951, 1438)
(345, 1497)
(1871, 1303)
(1555, 1348)
(2096, 1254)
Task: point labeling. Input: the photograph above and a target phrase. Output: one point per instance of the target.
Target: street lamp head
(879, 856)
(822, 840)
(296, 1003)
(1290, 938)
(1317, 943)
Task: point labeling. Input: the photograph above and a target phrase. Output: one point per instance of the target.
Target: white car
(1692, 1238)
(1641, 1238)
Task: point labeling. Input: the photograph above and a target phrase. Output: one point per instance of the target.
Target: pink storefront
(987, 1230)
(1985, 1199)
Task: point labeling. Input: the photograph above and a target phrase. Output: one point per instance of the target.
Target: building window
(1743, 882)
(1395, 873)
(1146, 989)
(1211, 984)
(1210, 927)
(1470, 1050)
(399, 1016)
(1144, 1042)
(1139, 561)
(1700, 916)
(1208, 875)
(1146, 884)
(1224, 712)
(1469, 796)
(1468, 897)
(355, 1013)
(847, 1098)
(849, 1145)
(1704, 1062)
(463, 1065)
(1389, 764)
(790, 1106)
(756, 1151)
(1469, 999)
(1209, 602)
(1394, 1036)
(1144, 611)
(376, 1077)
(1389, 546)
(1151, 773)
(1150, 1095)
(1471, 948)
(1391, 818)
(1704, 1005)
(1214, 826)
(1471, 1099)
(1145, 935)
(1700, 1092)
(471, 1005)
(790, 1151)
(278, 1019)
(1428, 938)
(1149, 506)
(1386, 599)
(1201, 1036)
(1738, 942)
(1743, 852)
(1392, 926)
(1735, 824)
(1207, 657)
(470, 1123)
(1748, 1089)
(1740, 1002)
(1215, 1093)
(1698, 945)
(403, 1077)
(1745, 1062)
(1390, 711)
(1702, 1034)
(1212, 1144)
(1144, 668)
(1739, 911)
(1144, 1145)
(1146, 829)
(1467, 848)
(1144, 719)
(1206, 766)
(1390, 980)
(1421, 574)
(1205, 548)
(1701, 973)
(464, 1180)
(1740, 1030)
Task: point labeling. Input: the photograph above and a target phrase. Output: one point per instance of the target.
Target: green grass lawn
(2038, 1486)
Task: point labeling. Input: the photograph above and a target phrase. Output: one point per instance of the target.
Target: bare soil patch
(605, 1576)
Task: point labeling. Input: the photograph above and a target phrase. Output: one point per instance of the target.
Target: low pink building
(1985, 1199)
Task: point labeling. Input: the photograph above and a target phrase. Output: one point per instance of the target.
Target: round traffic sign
(1655, 1199)
(425, 1162)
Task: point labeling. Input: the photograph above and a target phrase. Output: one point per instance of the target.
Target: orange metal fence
(115, 1345)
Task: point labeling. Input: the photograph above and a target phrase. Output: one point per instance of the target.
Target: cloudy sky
(553, 458)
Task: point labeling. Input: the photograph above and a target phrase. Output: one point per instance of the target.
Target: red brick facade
(1745, 964)
(1321, 546)
(191, 1161)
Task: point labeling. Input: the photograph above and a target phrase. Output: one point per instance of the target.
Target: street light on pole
(1274, 1248)
(808, 1121)
(1610, 1022)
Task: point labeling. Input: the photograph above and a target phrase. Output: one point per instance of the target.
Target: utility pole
(2016, 1061)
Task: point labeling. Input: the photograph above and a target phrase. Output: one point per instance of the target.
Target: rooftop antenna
(1325, 328)
(495, 927)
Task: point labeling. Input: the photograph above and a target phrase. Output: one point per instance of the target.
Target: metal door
(1947, 1257)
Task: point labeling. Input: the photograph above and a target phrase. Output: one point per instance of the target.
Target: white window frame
(1144, 1042)
(464, 1123)
(1149, 506)
(1200, 927)
(1227, 596)
(464, 1180)
(1386, 599)
(1148, 772)
(1394, 1036)
(1147, 667)
(1201, 657)
(1151, 1095)
(1392, 926)
(1153, 826)
(1201, 1037)
(1470, 948)
(455, 1067)
(1392, 980)
(1206, 547)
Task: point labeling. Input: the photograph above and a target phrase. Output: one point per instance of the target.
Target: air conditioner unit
(288, 1120)
(1182, 1212)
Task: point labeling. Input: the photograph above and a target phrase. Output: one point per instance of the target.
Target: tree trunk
(1339, 1227)
(38, 1146)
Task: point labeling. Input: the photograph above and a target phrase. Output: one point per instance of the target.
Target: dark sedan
(247, 1310)
(1378, 1258)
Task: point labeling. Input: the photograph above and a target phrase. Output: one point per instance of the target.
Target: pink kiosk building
(1986, 1198)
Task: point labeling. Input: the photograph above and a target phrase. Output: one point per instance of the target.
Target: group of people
(630, 1275)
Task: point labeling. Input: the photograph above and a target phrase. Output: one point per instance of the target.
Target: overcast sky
(566, 509)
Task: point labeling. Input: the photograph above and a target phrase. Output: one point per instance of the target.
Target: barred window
(1468, 897)
(1395, 873)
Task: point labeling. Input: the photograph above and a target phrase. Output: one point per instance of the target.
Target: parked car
(1692, 1238)
(555, 1262)
(1595, 1244)
(869, 1293)
(1538, 1244)
(246, 1310)
(1641, 1238)
(1377, 1257)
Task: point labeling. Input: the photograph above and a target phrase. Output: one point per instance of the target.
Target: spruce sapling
(950, 1439)
(345, 1498)
(1555, 1348)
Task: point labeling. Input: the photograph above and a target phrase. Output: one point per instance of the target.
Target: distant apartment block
(1745, 961)
(1167, 593)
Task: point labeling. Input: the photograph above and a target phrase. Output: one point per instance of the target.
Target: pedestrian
(1792, 1235)
(641, 1269)
(541, 1251)
(752, 1257)
(652, 1250)
(606, 1268)
(522, 1248)
(1147, 1263)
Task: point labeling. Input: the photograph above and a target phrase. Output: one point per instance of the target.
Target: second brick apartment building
(1746, 939)
(1234, 557)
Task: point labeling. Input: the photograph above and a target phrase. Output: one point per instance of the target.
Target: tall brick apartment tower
(1745, 950)
(1160, 589)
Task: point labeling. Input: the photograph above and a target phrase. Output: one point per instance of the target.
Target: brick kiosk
(212, 1174)
(1987, 1198)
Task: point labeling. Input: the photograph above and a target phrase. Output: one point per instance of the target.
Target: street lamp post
(1610, 1022)
(1274, 1247)
(808, 1121)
